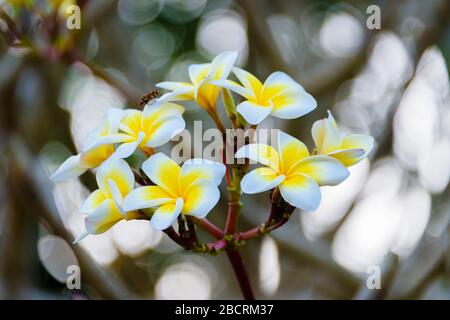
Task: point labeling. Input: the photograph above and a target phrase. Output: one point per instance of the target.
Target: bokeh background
(391, 83)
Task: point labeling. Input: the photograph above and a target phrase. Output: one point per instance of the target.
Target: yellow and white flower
(191, 189)
(91, 158)
(279, 96)
(104, 206)
(201, 89)
(155, 125)
(291, 168)
(349, 149)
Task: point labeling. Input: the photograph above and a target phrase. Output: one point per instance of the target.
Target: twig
(241, 273)
(211, 228)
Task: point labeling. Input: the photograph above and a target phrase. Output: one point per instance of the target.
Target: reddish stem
(211, 228)
(233, 212)
(241, 273)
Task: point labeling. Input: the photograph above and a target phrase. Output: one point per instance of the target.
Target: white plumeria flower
(349, 149)
(191, 189)
(104, 206)
(157, 124)
(201, 89)
(279, 96)
(297, 174)
(91, 158)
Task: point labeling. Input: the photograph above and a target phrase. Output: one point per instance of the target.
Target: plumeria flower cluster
(167, 194)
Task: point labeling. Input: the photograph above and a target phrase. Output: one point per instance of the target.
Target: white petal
(172, 86)
(128, 148)
(197, 72)
(326, 171)
(291, 151)
(178, 95)
(116, 195)
(104, 217)
(348, 157)
(92, 202)
(222, 64)
(200, 198)
(249, 81)
(289, 98)
(293, 104)
(180, 91)
(117, 170)
(160, 108)
(358, 141)
(301, 191)
(235, 87)
(110, 139)
(165, 130)
(253, 113)
(108, 126)
(146, 197)
(326, 136)
(111, 120)
(163, 171)
(278, 83)
(261, 153)
(80, 237)
(165, 215)
(69, 169)
(332, 120)
(260, 180)
(195, 169)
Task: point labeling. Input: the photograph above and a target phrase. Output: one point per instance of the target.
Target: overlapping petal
(103, 217)
(235, 87)
(166, 214)
(200, 197)
(69, 169)
(280, 96)
(293, 104)
(325, 170)
(358, 141)
(202, 89)
(249, 81)
(96, 156)
(261, 153)
(186, 92)
(109, 125)
(348, 157)
(132, 121)
(106, 140)
(93, 201)
(197, 72)
(94, 152)
(128, 148)
(164, 129)
(196, 169)
(301, 191)
(349, 150)
(254, 113)
(146, 197)
(291, 150)
(119, 171)
(157, 109)
(222, 64)
(260, 180)
(326, 136)
(278, 83)
(163, 171)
